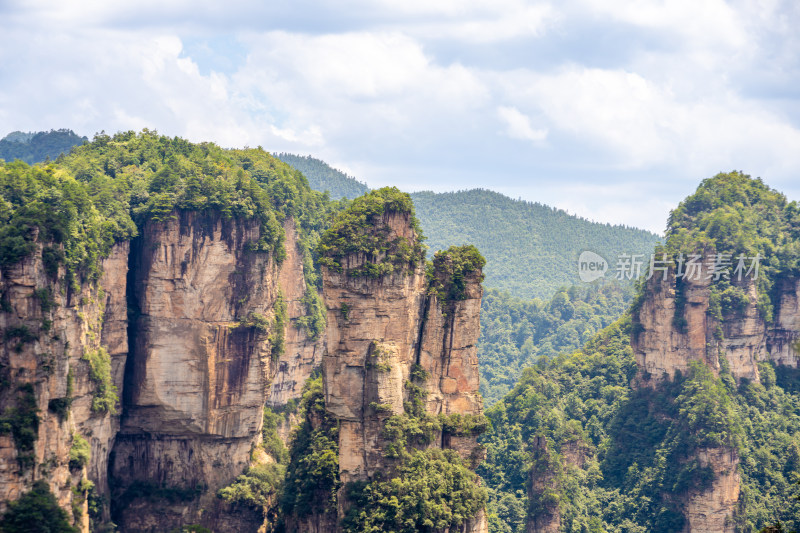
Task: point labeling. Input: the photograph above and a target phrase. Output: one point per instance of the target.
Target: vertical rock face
(48, 329)
(783, 338)
(366, 316)
(710, 511)
(302, 354)
(379, 328)
(199, 370)
(676, 327)
(174, 420)
(671, 335)
(547, 519)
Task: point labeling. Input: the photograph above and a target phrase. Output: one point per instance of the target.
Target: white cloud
(415, 92)
(518, 126)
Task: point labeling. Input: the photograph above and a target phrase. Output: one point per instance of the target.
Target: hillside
(531, 249)
(685, 414)
(322, 177)
(33, 147)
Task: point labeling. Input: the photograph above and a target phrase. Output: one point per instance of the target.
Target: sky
(614, 111)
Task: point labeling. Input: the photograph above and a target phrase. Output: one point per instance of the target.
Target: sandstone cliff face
(668, 340)
(378, 328)
(662, 347)
(48, 328)
(711, 511)
(302, 354)
(196, 310)
(783, 338)
(198, 377)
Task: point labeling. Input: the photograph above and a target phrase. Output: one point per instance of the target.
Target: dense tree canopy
(39, 146)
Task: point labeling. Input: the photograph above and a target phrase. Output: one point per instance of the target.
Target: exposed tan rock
(197, 382)
(79, 321)
(377, 329)
(711, 511)
(662, 348)
(302, 355)
(783, 339)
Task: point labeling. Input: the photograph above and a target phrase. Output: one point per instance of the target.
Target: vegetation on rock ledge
(363, 229)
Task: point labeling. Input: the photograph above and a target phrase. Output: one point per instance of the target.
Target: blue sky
(611, 110)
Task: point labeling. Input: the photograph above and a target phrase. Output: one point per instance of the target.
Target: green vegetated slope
(515, 333)
(531, 249)
(323, 177)
(34, 147)
(623, 459)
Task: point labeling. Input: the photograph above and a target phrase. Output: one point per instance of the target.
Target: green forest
(516, 333)
(532, 249)
(556, 362)
(622, 458)
(39, 146)
(323, 177)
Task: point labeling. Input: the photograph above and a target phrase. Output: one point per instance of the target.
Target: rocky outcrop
(164, 365)
(380, 330)
(199, 370)
(710, 511)
(783, 337)
(302, 354)
(545, 515)
(675, 327)
(49, 329)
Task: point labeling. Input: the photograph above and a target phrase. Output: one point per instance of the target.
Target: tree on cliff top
(361, 229)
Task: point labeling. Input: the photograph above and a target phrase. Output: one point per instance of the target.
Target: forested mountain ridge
(157, 294)
(685, 414)
(34, 147)
(531, 249)
(323, 177)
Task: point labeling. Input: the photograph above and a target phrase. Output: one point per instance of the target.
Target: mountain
(164, 312)
(683, 415)
(531, 249)
(517, 333)
(33, 147)
(322, 177)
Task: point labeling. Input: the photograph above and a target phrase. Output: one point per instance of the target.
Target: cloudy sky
(612, 110)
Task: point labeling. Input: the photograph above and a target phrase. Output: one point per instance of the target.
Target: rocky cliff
(677, 325)
(202, 338)
(200, 368)
(395, 340)
(61, 363)
(140, 394)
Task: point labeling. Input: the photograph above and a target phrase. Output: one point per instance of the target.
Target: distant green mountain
(516, 333)
(323, 177)
(531, 249)
(34, 147)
